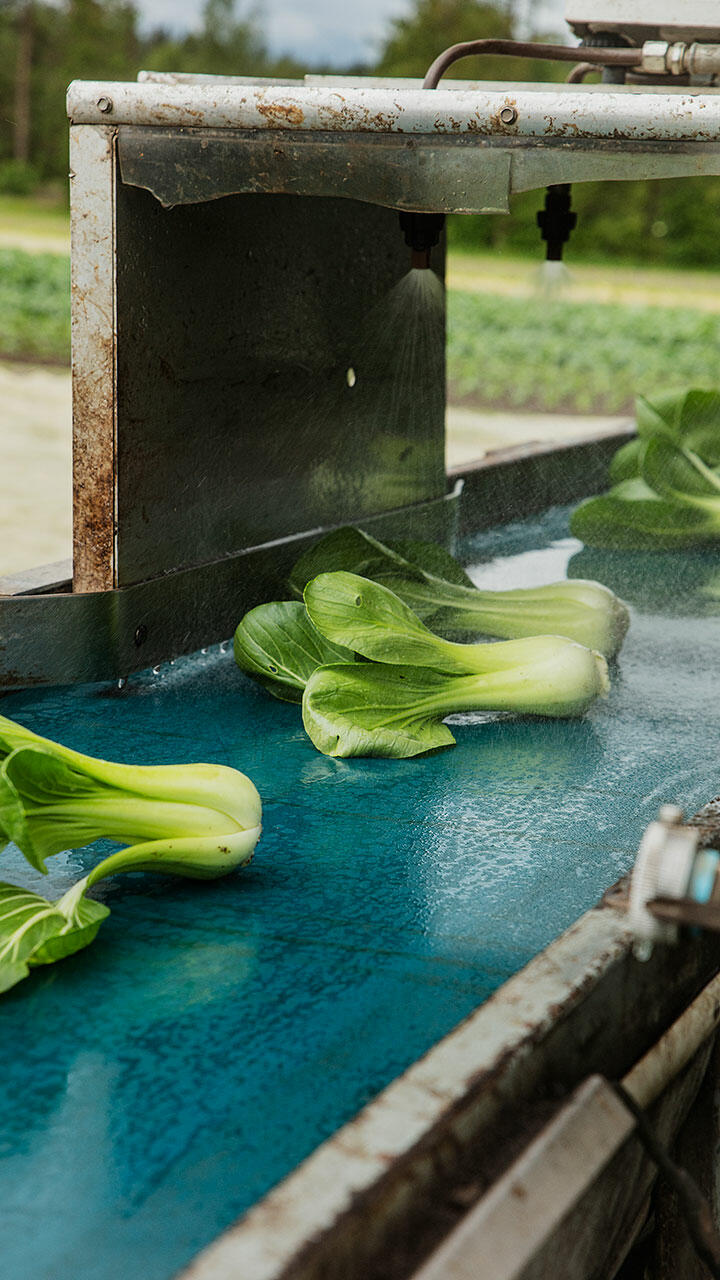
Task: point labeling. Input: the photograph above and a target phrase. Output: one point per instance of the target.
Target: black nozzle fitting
(422, 232)
(556, 220)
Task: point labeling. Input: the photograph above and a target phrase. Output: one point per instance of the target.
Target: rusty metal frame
(463, 150)
(583, 1149)
(93, 174)
(384, 145)
(564, 112)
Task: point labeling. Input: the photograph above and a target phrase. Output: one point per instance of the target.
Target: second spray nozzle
(422, 232)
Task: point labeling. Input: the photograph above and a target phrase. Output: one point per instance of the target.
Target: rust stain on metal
(281, 112)
(489, 1077)
(357, 116)
(93, 324)
(171, 107)
(94, 472)
(475, 125)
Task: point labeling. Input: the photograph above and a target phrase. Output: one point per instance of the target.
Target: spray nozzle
(556, 220)
(422, 232)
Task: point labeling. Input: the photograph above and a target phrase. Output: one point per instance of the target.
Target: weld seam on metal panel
(495, 1043)
(662, 118)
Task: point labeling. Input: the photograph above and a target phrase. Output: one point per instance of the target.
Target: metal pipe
(522, 49)
(579, 72)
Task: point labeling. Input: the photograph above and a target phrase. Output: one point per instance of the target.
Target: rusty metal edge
(498, 1240)
(94, 333)
(554, 1173)
(660, 118)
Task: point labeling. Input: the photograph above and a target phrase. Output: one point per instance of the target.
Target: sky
(336, 31)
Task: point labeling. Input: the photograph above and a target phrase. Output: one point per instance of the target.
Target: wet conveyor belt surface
(158, 1084)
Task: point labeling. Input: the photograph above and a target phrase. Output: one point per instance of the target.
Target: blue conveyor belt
(154, 1086)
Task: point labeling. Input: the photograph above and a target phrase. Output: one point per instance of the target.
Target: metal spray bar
(559, 114)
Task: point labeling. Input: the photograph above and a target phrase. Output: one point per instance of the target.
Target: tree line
(44, 44)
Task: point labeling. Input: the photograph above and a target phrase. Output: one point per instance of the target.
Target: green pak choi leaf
(34, 931)
(279, 647)
(397, 711)
(688, 418)
(371, 710)
(626, 464)
(83, 917)
(197, 819)
(666, 483)
(680, 475)
(436, 588)
(395, 705)
(373, 621)
(359, 552)
(632, 517)
(26, 922)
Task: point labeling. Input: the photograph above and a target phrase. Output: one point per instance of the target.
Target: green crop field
(504, 351)
(34, 305)
(575, 357)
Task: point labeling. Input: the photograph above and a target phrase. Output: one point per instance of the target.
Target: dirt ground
(35, 433)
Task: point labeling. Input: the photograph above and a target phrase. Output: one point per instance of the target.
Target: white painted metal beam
(561, 112)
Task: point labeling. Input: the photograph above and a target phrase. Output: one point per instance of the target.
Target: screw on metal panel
(105, 105)
(508, 115)
(141, 634)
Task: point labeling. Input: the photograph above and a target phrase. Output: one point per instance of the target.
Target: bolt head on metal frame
(508, 115)
(105, 105)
